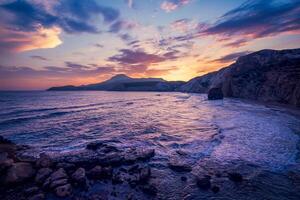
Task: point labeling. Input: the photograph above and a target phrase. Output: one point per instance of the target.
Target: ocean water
(213, 137)
(230, 129)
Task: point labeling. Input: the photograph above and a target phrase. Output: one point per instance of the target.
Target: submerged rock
(215, 94)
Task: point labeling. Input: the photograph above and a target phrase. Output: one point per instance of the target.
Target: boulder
(39, 196)
(215, 94)
(19, 172)
(99, 172)
(59, 182)
(44, 161)
(63, 191)
(42, 175)
(59, 174)
(5, 162)
(79, 176)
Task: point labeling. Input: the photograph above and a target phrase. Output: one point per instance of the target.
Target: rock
(59, 182)
(266, 75)
(66, 166)
(59, 174)
(149, 189)
(42, 175)
(39, 196)
(144, 175)
(63, 191)
(215, 94)
(44, 161)
(179, 165)
(79, 176)
(5, 141)
(95, 145)
(215, 189)
(5, 162)
(235, 177)
(31, 191)
(99, 172)
(203, 182)
(134, 155)
(56, 178)
(117, 178)
(19, 172)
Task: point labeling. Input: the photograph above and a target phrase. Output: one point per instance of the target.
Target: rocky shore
(103, 171)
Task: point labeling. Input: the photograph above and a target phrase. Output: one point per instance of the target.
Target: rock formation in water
(122, 82)
(267, 75)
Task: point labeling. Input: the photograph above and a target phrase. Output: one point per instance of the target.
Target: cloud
(14, 72)
(39, 58)
(171, 5)
(121, 25)
(99, 45)
(231, 57)
(139, 57)
(26, 23)
(129, 3)
(17, 41)
(258, 18)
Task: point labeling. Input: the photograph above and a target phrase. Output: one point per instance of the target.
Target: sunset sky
(46, 43)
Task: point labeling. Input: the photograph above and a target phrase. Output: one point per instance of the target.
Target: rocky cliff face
(267, 75)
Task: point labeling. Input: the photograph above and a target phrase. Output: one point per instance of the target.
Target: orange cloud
(18, 41)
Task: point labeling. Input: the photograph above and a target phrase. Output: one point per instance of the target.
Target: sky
(45, 43)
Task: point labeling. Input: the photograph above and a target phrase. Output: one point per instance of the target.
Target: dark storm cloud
(72, 16)
(259, 18)
(232, 57)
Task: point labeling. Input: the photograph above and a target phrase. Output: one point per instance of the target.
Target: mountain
(266, 75)
(121, 82)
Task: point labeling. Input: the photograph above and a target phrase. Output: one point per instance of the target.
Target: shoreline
(120, 174)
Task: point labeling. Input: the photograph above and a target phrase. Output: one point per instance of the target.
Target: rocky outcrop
(215, 94)
(267, 75)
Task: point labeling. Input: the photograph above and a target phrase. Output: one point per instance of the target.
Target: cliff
(267, 75)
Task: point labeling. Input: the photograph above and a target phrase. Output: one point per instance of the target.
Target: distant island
(266, 75)
(121, 82)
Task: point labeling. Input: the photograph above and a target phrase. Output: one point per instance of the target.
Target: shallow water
(171, 123)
